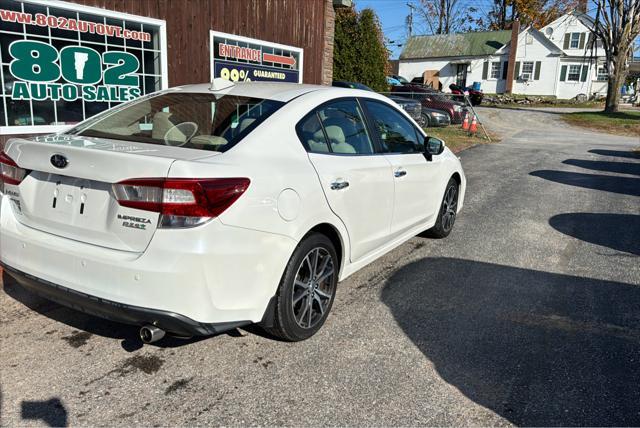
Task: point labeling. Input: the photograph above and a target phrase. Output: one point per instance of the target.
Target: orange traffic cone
(474, 125)
(465, 123)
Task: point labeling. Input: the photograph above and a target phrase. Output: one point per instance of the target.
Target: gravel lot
(528, 314)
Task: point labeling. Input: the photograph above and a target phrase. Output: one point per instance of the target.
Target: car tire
(294, 318)
(425, 121)
(448, 210)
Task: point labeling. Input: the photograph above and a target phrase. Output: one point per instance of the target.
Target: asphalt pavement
(528, 314)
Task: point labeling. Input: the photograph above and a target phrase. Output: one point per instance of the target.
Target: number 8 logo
(35, 61)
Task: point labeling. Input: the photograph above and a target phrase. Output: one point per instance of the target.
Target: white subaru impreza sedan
(209, 207)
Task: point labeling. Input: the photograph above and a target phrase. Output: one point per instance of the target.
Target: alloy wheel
(449, 207)
(313, 287)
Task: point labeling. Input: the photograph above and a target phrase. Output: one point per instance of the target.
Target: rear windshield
(192, 120)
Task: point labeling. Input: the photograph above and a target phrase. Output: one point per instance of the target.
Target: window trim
(498, 71)
(75, 7)
(577, 41)
(374, 141)
(533, 68)
(602, 77)
(577, 80)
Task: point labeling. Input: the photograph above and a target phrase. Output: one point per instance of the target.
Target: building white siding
(542, 53)
(536, 56)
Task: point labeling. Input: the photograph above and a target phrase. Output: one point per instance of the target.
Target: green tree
(359, 53)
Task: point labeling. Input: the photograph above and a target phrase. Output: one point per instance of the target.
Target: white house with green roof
(553, 61)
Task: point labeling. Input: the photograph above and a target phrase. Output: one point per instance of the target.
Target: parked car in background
(208, 207)
(475, 97)
(351, 85)
(412, 107)
(434, 118)
(400, 79)
(434, 100)
(393, 82)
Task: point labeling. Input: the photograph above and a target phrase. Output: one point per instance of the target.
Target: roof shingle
(448, 45)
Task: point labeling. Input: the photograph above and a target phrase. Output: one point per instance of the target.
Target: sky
(392, 14)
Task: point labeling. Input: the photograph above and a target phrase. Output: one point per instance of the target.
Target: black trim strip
(171, 322)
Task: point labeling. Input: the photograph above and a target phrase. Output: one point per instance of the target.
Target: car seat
(336, 138)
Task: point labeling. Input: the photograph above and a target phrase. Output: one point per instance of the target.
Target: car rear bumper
(115, 311)
(209, 276)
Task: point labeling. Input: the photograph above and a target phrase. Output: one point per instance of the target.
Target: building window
(527, 70)
(495, 70)
(575, 41)
(63, 63)
(574, 73)
(603, 76)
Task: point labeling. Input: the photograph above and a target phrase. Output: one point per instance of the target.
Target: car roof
(276, 91)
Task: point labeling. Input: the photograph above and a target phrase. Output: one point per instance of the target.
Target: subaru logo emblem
(59, 161)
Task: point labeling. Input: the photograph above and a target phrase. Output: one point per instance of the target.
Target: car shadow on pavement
(537, 348)
(615, 153)
(620, 232)
(616, 184)
(52, 412)
(130, 341)
(606, 166)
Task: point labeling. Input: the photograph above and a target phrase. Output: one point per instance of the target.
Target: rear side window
(337, 127)
(395, 132)
(192, 120)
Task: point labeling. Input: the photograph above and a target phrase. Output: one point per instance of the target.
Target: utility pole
(410, 23)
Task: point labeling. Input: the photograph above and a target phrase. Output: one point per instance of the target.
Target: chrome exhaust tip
(151, 333)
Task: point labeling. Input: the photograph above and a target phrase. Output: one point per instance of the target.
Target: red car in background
(475, 97)
(434, 100)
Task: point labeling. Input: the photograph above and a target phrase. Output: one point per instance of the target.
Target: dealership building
(64, 61)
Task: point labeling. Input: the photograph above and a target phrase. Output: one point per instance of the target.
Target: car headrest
(161, 124)
(335, 134)
(244, 124)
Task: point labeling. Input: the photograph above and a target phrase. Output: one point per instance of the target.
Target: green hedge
(359, 53)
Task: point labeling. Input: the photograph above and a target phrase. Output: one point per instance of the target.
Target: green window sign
(62, 64)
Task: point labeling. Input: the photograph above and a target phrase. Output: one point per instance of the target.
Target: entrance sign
(241, 59)
(63, 62)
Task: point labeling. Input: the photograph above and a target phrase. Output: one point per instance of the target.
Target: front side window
(575, 41)
(192, 120)
(396, 133)
(338, 127)
(574, 73)
(495, 70)
(527, 70)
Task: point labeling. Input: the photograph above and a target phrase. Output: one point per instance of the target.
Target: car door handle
(399, 173)
(339, 185)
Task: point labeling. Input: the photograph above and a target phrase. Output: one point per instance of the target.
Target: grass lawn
(457, 139)
(621, 123)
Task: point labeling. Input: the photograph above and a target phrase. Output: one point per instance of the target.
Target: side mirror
(433, 146)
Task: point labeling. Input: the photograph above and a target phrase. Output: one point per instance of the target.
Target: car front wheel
(307, 289)
(447, 214)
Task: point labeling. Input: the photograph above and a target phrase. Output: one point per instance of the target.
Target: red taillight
(182, 202)
(10, 172)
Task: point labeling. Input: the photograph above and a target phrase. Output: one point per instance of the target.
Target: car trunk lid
(76, 200)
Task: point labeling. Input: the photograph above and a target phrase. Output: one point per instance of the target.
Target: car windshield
(192, 120)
